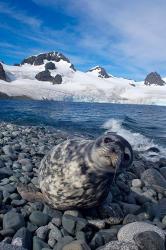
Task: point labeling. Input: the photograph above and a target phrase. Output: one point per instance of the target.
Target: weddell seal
(78, 173)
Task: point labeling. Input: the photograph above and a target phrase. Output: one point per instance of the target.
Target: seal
(78, 173)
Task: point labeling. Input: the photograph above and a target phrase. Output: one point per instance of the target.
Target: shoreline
(138, 195)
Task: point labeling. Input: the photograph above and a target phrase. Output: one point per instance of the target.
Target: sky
(126, 37)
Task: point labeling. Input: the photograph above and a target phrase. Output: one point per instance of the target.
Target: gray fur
(77, 173)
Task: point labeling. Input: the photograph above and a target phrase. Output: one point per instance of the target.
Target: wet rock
(149, 241)
(127, 232)
(13, 220)
(38, 218)
(22, 238)
(152, 178)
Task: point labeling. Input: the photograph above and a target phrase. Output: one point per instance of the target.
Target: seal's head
(111, 151)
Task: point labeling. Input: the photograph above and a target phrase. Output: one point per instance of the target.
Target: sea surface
(144, 126)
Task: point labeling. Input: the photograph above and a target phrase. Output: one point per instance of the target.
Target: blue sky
(128, 37)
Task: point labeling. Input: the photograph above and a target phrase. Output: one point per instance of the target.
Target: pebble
(76, 245)
(42, 232)
(23, 238)
(149, 241)
(62, 242)
(137, 183)
(116, 245)
(152, 178)
(13, 220)
(127, 232)
(39, 244)
(4, 246)
(38, 218)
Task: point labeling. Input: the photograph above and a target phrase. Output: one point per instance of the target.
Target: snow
(78, 86)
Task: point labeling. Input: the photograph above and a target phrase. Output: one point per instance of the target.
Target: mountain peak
(100, 71)
(49, 56)
(154, 79)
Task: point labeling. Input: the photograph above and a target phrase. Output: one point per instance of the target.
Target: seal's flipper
(29, 194)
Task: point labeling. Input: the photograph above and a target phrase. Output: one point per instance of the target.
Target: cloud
(128, 31)
(18, 15)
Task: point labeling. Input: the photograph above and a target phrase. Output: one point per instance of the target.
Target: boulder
(44, 76)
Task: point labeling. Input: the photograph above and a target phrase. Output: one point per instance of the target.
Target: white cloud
(18, 15)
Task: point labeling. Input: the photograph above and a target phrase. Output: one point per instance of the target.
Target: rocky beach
(132, 218)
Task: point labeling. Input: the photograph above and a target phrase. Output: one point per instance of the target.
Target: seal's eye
(107, 140)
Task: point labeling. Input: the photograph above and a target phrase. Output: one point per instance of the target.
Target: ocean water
(144, 126)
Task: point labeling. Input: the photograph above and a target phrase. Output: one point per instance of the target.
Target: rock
(5, 172)
(100, 224)
(50, 65)
(129, 218)
(152, 178)
(23, 238)
(7, 232)
(100, 71)
(57, 79)
(42, 232)
(76, 245)
(69, 223)
(62, 242)
(53, 213)
(130, 208)
(163, 171)
(17, 203)
(44, 76)
(4, 246)
(38, 218)
(13, 220)
(81, 224)
(116, 245)
(7, 149)
(75, 213)
(154, 78)
(127, 232)
(159, 209)
(55, 233)
(50, 56)
(38, 244)
(149, 240)
(112, 214)
(2, 73)
(137, 183)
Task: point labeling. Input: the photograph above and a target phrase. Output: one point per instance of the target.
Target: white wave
(138, 141)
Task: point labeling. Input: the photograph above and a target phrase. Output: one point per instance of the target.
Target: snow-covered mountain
(52, 76)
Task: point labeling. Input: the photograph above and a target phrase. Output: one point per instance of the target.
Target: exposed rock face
(50, 65)
(50, 56)
(46, 76)
(57, 79)
(101, 71)
(2, 73)
(154, 78)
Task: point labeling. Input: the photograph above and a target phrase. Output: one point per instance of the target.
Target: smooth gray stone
(4, 246)
(13, 220)
(149, 241)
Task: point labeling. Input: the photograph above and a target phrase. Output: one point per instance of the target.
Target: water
(143, 125)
